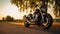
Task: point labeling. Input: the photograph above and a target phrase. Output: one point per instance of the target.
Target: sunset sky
(6, 8)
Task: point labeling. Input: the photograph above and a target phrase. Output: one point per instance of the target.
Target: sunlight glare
(12, 10)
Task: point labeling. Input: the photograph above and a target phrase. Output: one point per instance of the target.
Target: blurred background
(18, 8)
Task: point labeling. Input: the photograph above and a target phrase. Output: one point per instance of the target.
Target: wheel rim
(45, 25)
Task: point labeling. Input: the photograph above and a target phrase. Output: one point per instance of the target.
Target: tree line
(8, 19)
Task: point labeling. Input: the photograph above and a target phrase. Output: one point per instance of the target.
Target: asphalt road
(18, 28)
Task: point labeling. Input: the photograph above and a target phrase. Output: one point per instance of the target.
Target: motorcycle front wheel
(48, 23)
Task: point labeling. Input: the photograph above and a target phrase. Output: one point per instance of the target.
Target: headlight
(43, 9)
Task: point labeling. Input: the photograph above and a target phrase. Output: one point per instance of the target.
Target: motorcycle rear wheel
(26, 23)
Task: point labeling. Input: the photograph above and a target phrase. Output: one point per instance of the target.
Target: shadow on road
(55, 31)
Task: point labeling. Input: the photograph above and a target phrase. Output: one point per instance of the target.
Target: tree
(3, 19)
(9, 18)
(56, 7)
(20, 3)
(57, 3)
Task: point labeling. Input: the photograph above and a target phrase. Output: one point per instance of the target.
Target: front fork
(44, 18)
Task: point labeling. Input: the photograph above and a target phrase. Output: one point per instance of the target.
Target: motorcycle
(39, 17)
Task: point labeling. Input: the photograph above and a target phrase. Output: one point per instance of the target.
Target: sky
(6, 8)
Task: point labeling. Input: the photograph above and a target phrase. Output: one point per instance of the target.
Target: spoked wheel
(48, 22)
(26, 23)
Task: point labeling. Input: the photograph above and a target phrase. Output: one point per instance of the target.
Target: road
(18, 28)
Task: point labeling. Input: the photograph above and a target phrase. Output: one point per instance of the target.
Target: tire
(26, 23)
(49, 22)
